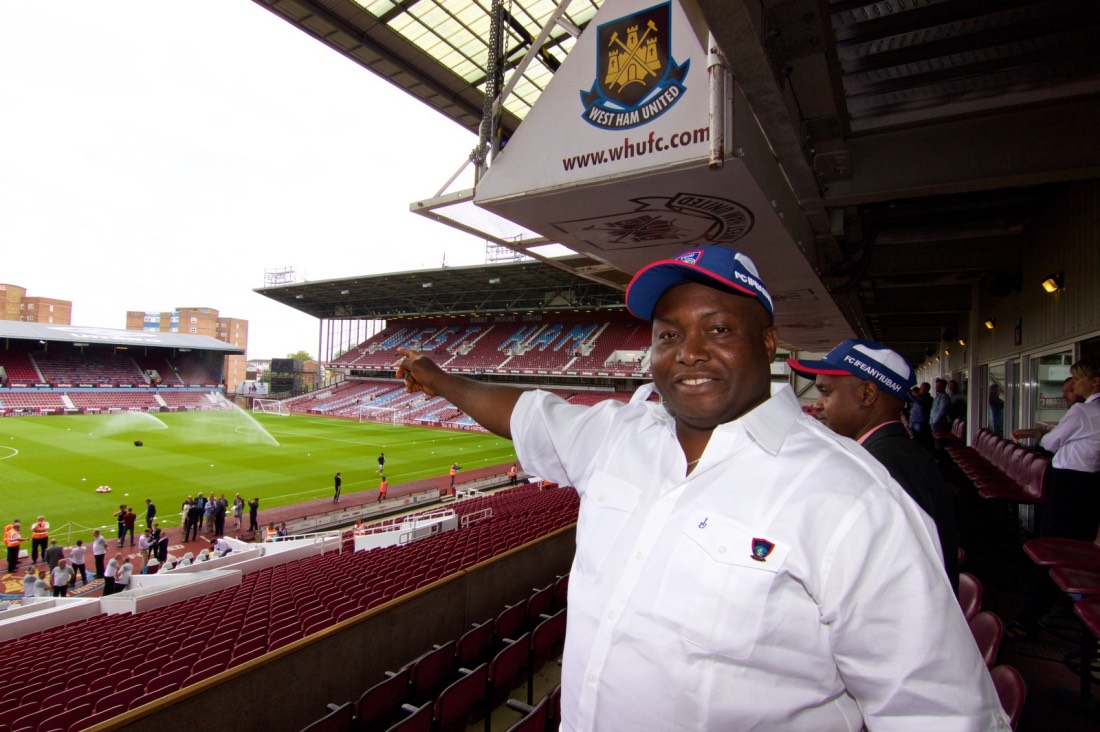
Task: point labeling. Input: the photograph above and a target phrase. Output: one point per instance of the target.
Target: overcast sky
(156, 155)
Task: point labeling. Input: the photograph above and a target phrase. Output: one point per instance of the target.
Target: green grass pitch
(52, 465)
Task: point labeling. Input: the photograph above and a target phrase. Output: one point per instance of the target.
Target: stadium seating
(988, 630)
(21, 369)
(1011, 691)
(556, 343)
(187, 642)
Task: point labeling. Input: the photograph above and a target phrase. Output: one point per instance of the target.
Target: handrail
(474, 517)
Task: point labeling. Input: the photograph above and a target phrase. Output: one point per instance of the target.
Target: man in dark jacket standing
(867, 409)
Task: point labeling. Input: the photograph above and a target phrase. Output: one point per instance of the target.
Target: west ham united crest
(637, 80)
(684, 218)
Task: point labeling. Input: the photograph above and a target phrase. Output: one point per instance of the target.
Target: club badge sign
(684, 218)
(637, 78)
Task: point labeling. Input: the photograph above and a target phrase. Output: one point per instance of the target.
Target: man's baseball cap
(866, 360)
(707, 264)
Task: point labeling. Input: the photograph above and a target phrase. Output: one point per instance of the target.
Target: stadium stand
(20, 368)
(186, 642)
(156, 367)
(553, 343)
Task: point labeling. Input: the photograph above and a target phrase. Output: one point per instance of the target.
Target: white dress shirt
(674, 625)
(1075, 440)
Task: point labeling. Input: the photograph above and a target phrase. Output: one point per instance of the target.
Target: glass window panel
(377, 8)
(993, 416)
(1048, 374)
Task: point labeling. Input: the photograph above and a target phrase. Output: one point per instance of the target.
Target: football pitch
(52, 465)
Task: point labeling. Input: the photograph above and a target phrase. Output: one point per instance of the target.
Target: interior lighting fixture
(991, 323)
(345, 292)
(962, 342)
(425, 284)
(494, 280)
(1054, 283)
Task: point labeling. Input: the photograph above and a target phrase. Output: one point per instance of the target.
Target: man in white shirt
(99, 553)
(122, 578)
(109, 575)
(29, 579)
(60, 577)
(738, 565)
(76, 558)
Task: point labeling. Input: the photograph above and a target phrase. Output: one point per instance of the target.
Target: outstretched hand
(413, 365)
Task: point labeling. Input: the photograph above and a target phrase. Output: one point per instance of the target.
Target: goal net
(378, 414)
(270, 406)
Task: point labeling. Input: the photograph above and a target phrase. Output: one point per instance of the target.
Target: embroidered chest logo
(637, 79)
(761, 548)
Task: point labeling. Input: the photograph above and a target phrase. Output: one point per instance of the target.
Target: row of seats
(189, 641)
(550, 344)
(73, 367)
(458, 682)
(1000, 468)
(1074, 567)
(988, 630)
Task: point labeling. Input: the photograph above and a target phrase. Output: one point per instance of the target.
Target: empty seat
(538, 604)
(1011, 690)
(461, 702)
(429, 672)
(510, 622)
(988, 630)
(379, 707)
(62, 721)
(475, 645)
(970, 594)
(96, 717)
(123, 697)
(546, 643)
(507, 671)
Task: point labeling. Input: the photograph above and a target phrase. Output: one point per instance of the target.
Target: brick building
(16, 305)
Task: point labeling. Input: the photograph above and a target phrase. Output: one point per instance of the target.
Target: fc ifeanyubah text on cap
(708, 264)
(867, 361)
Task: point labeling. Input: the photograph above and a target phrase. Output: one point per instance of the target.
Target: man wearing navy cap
(738, 566)
(867, 409)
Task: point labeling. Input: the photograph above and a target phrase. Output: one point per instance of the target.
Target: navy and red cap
(867, 361)
(707, 264)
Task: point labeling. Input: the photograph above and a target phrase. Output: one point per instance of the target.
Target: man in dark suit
(867, 409)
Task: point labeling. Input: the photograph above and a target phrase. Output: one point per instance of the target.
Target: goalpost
(388, 415)
(270, 406)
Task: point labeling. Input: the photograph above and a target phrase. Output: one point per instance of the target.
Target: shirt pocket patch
(607, 505)
(716, 587)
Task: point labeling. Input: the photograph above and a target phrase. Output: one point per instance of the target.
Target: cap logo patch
(761, 548)
(690, 257)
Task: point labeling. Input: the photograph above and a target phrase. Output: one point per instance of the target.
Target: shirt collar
(768, 424)
(1093, 397)
(870, 432)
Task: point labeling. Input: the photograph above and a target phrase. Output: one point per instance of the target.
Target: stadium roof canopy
(496, 288)
(85, 336)
(918, 140)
